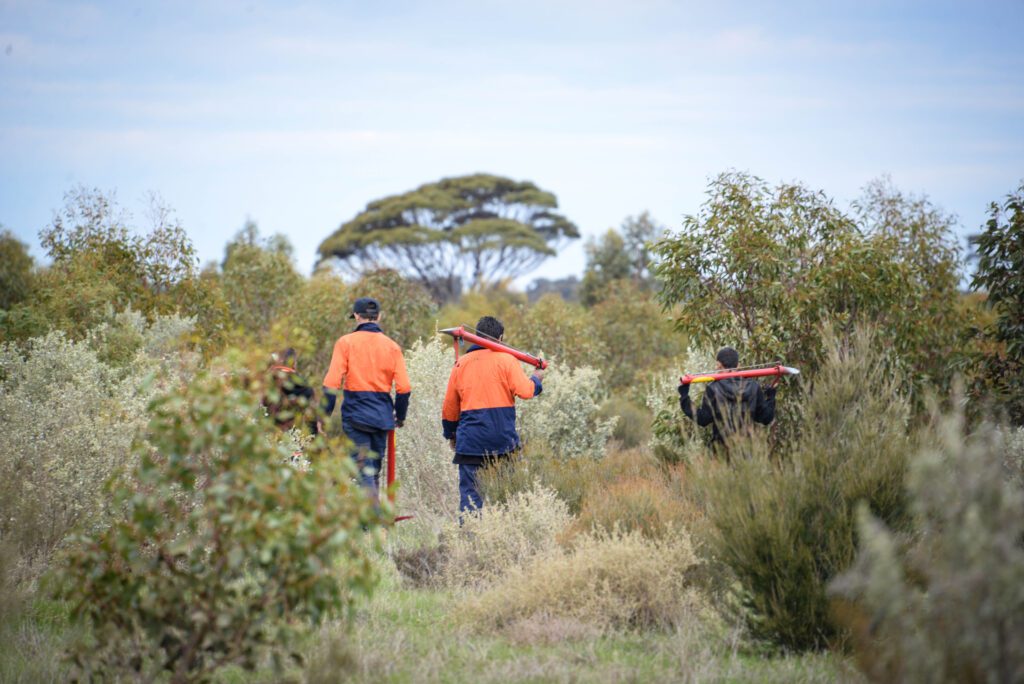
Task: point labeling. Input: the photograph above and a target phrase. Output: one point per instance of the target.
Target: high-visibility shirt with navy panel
(370, 363)
(479, 406)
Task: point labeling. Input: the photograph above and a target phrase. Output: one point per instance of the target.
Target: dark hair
(728, 357)
(490, 326)
(369, 316)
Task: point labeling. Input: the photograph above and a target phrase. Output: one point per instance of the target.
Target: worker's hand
(538, 373)
(451, 444)
(684, 389)
(399, 423)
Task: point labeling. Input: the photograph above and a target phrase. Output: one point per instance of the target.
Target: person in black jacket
(730, 405)
(292, 397)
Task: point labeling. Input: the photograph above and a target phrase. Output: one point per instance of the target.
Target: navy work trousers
(371, 446)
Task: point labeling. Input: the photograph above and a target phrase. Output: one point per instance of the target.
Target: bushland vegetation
(154, 526)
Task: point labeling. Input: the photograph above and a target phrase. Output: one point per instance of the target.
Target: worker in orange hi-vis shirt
(479, 414)
(366, 364)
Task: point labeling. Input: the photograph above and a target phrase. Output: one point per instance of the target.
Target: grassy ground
(409, 635)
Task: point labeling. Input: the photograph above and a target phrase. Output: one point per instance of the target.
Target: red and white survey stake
(760, 372)
(391, 473)
(466, 333)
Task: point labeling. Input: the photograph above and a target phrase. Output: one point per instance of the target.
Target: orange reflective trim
(485, 379)
(367, 362)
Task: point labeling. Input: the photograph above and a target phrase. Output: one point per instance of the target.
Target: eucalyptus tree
(472, 230)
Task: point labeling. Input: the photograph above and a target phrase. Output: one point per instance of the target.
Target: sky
(296, 115)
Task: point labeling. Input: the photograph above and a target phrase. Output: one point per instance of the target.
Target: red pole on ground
(391, 465)
(391, 473)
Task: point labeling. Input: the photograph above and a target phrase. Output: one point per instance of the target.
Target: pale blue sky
(298, 114)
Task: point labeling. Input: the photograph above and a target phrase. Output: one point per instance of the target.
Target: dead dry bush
(609, 581)
(502, 536)
(570, 478)
(644, 504)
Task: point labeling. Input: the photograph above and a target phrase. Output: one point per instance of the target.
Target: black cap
(365, 306)
(728, 357)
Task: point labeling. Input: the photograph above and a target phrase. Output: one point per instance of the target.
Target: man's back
(731, 405)
(370, 363)
(479, 406)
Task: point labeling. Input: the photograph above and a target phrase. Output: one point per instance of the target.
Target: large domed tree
(474, 230)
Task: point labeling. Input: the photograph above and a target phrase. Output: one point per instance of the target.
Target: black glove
(770, 391)
(684, 389)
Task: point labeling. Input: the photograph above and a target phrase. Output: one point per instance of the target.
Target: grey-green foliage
(947, 605)
(426, 476)
(224, 550)
(784, 523)
(566, 415)
(68, 416)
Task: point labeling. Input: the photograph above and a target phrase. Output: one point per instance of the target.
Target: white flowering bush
(566, 416)
(428, 480)
(67, 421)
(499, 537)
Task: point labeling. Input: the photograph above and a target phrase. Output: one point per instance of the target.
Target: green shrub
(949, 605)
(225, 549)
(607, 581)
(99, 260)
(786, 526)
(632, 422)
(258, 280)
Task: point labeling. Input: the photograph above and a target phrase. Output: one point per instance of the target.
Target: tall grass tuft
(949, 605)
(785, 527)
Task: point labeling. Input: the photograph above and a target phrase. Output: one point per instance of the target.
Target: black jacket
(730, 405)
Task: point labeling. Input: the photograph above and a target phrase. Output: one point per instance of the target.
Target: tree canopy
(1000, 265)
(619, 255)
(760, 267)
(476, 230)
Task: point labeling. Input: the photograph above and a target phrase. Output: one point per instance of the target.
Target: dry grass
(609, 581)
(503, 536)
(646, 505)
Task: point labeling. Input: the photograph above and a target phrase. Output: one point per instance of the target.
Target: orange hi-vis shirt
(479, 405)
(369, 363)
